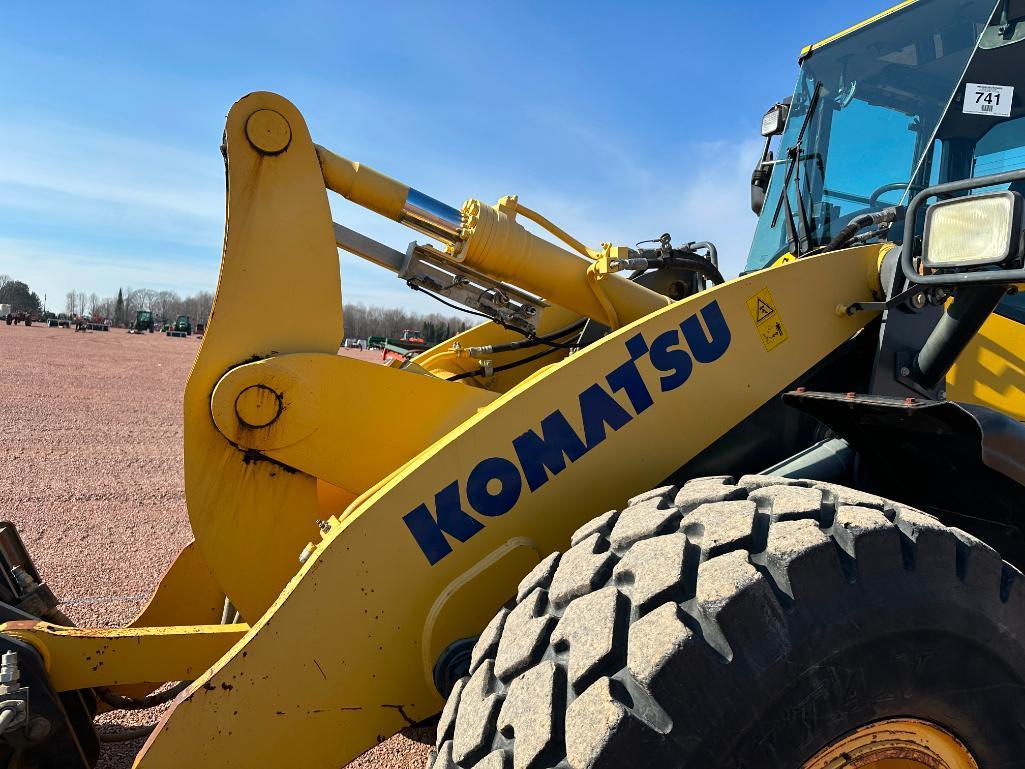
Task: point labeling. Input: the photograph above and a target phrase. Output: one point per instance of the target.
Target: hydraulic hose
(713, 257)
(505, 366)
(6, 717)
(703, 267)
(558, 232)
(713, 252)
(683, 258)
(127, 735)
(843, 237)
(120, 702)
(531, 341)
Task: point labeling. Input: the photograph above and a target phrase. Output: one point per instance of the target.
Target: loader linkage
(315, 513)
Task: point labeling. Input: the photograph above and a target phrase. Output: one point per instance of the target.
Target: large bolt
(257, 406)
(9, 668)
(268, 131)
(10, 675)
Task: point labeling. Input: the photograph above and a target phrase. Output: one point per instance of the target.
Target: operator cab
(927, 93)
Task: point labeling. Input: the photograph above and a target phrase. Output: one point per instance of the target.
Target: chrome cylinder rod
(431, 217)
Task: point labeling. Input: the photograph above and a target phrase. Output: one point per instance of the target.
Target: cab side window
(1000, 149)
(1013, 307)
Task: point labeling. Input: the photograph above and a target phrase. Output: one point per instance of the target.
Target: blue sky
(618, 121)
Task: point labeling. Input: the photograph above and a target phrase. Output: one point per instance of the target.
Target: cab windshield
(862, 120)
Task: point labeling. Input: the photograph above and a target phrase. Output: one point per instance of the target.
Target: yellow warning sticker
(767, 320)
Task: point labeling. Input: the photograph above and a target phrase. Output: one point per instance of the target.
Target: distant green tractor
(143, 322)
(182, 326)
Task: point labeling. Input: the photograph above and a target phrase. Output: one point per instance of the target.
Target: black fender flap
(961, 461)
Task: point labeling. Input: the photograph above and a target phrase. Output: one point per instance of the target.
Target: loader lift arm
(410, 545)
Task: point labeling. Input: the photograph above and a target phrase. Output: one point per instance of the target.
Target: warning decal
(767, 320)
(762, 309)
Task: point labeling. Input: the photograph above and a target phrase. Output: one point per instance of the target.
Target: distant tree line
(362, 322)
(121, 309)
(19, 296)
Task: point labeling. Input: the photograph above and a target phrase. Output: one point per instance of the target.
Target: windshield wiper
(793, 160)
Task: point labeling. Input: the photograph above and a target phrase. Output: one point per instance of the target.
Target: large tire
(745, 624)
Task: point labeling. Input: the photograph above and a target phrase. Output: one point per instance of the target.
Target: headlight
(972, 231)
(774, 120)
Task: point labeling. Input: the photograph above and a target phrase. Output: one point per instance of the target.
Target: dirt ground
(91, 473)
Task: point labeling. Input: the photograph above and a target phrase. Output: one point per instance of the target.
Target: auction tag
(980, 99)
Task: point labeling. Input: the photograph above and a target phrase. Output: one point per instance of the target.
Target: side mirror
(773, 123)
(760, 182)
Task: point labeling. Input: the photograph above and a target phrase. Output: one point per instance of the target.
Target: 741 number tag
(981, 99)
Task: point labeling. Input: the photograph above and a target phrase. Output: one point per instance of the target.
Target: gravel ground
(91, 473)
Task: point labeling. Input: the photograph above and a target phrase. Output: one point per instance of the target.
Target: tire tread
(671, 584)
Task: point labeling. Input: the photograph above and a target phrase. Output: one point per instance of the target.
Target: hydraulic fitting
(10, 675)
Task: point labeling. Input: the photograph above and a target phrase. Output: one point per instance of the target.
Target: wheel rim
(899, 743)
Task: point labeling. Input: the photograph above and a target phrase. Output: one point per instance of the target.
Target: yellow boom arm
(413, 531)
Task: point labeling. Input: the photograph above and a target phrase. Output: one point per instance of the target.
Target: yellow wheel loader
(644, 516)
